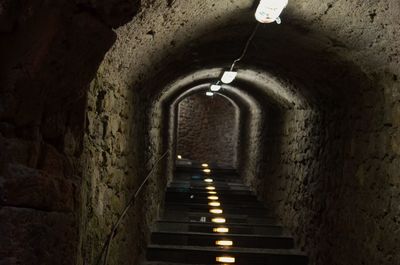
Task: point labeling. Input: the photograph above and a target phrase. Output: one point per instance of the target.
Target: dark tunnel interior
(93, 93)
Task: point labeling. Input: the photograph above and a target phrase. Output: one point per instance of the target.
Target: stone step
(226, 198)
(207, 217)
(270, 230)
(227, 212)
(209, 239)
(228, 208)
(204, 191)
(208, 255)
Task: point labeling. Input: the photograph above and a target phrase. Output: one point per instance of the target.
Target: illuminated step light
(216, 211)
(209, 94)
(207, 170)
(210, 188)
(179, 157)
(228, 77)
(225, 259)
(204, 165)
(214, 204)
(215, 88)
(218, 220)
(224, 243)
(269, 11)
(213, 198)
(221, 230)
(208, 180)
(212, 192)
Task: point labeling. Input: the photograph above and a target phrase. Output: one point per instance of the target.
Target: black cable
(246, 47)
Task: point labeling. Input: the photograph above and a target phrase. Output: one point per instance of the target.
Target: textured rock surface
(322, 146)
(207, 130)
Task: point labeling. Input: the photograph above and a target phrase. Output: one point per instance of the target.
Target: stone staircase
(244, 233)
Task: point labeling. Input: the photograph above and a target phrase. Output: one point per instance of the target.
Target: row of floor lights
(268, 11)
(216, 209)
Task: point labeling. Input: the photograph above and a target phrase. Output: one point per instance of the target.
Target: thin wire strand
(246, 47)
(106, 248)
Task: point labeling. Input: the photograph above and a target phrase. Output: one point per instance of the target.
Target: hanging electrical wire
(268, 11)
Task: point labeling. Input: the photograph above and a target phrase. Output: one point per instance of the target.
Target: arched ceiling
(165, 43)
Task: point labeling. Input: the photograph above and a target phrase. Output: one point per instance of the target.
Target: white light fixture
(179, 157)
(228, 77)
(212, 192)
(204, 165)
(210, 188)
(269, 11)
(207, 170)
(209, 180)
(213, 198)
(209, 94)
(215, 88)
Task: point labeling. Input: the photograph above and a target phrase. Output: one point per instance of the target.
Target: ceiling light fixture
(213, 198)
(268, 11)
(210, 188)
(209, 94)
(208, 180)
(215, 88)
(204, 165)
(228, 77)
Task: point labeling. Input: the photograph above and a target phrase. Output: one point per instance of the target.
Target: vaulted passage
(102, 104)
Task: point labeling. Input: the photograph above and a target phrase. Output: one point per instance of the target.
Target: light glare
(218, 220)
(208, 180)
(210, 188)
(225, 243)
(204, 165)
(216, 211)
(213, 198)
(214, 204)
(207, 170)
(221, 230)
(225, 259)
(212, 192)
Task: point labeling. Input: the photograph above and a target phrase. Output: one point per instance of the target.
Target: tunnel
(101, 102)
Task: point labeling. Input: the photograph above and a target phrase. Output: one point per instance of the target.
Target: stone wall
(332, 177)
(207, 129)
(50, 51)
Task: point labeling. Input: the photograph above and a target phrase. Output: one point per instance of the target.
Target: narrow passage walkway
(213, 218)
